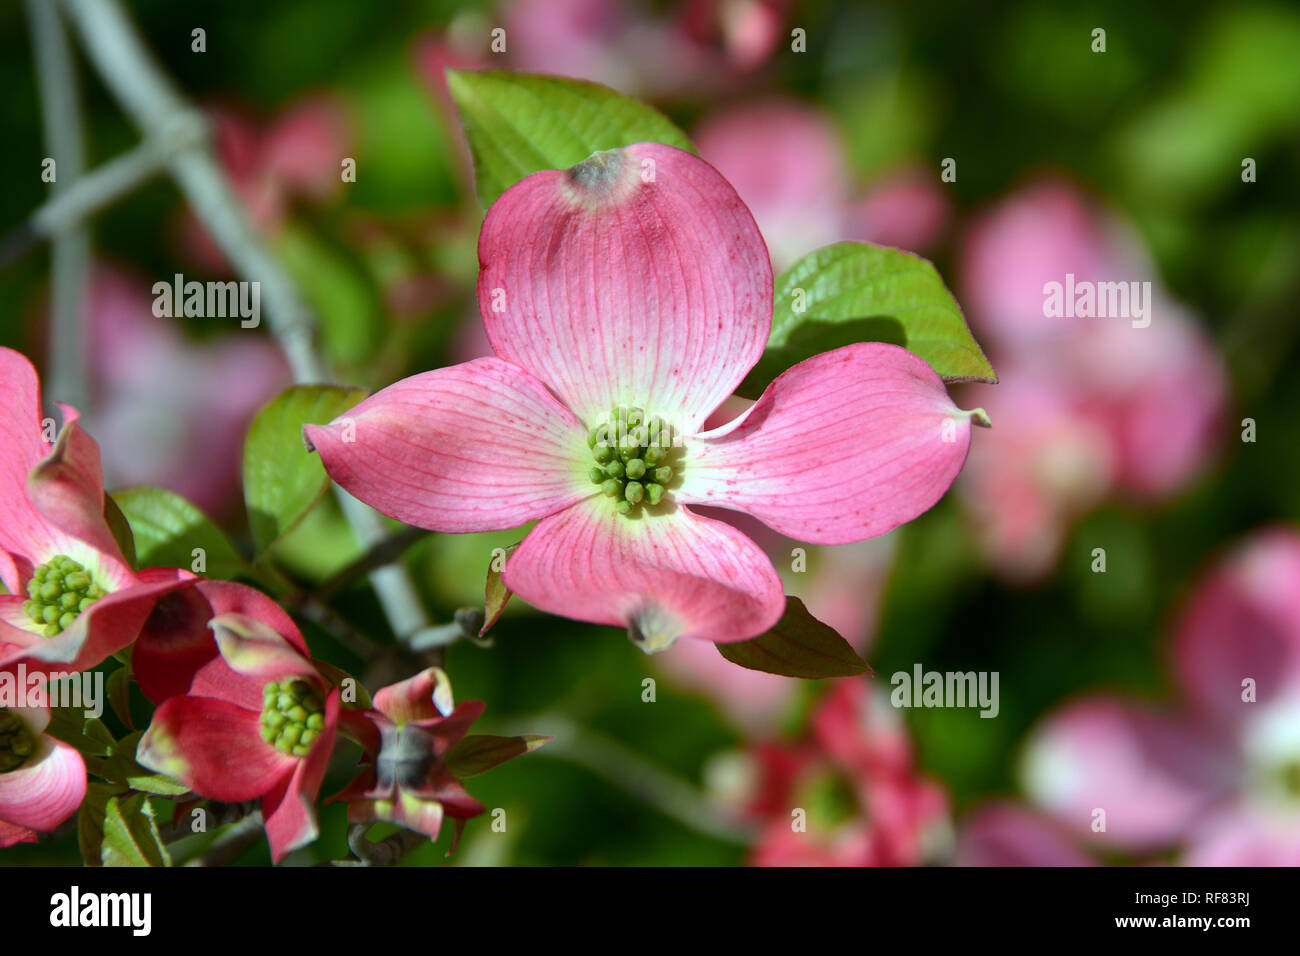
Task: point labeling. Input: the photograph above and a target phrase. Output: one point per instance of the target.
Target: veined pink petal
(175, 642)
(213, 747)
(252, 647)
(842, 447)
(24, 532)
(636, 277)
(67, 487)
(46, 790)
(415, 698)
(107, 626)
(20, 426)
(290, 809)
(475, 447)
(11, 835)
(662, 577)
(1152, 774)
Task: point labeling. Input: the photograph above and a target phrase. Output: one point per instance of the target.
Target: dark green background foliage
(1010, 90)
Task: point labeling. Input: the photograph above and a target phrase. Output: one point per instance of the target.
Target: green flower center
(60, 589)
(16, 742)
(292, 716)
(637, 456)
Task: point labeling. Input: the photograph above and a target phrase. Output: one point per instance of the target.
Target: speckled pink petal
(636, 277)
(842, 447)
(475, 447)
(663, 576)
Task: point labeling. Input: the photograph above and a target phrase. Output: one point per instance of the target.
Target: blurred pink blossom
(841, 585)
(1007, 834)
(854, 778)
(169, 411)
(787, 161)
(1088, 407)
(1218, 775)
(298, 155)
(696, 46)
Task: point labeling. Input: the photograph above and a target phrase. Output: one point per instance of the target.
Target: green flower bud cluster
(635, 457)
(293, 716)
(16, 742)
(60, 589)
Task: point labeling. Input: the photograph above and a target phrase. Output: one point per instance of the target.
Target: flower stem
(70, 251)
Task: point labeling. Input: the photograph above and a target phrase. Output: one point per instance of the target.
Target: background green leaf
(168, 528)
(518, 123)
(282, 479)
(858, 292)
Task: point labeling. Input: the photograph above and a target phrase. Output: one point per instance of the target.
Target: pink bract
(211, 737)
(1215, 774)
(52, 506)
(45, 789)
(638, 278)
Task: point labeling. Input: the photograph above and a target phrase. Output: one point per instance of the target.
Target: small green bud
(664, 474)
(634, 492)
(623, 507)
(611, 487)
(597, 475)
(614, 469)
(635, 468)
(654, 493)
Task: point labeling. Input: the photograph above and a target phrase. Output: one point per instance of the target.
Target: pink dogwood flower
(1105, 405)
(297, 155)
(406, 737)
(863, 801)
(258, 722)
(73, 600)
(42, 780)
(787, 161)
(1218, 775)
(1007, 834)
(625, 299)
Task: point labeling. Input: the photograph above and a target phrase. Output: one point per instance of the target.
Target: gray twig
(148, 96)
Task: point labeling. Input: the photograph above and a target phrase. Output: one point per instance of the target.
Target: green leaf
(518, 123)
(282, 480)
(90, 821)
(168, 529)
(496, 594)
(121, 530)
(856, 292)
(121, 767)
(345, 303)
(798, 646)
(480, 752)
(131, 837)
(119, 695)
